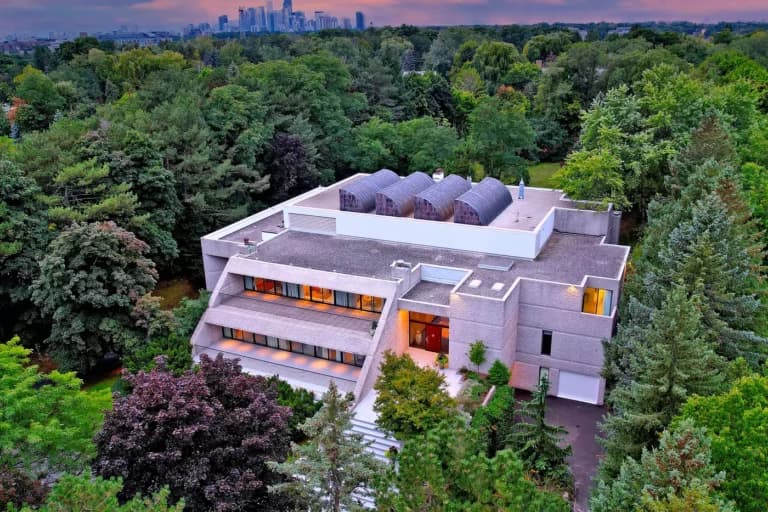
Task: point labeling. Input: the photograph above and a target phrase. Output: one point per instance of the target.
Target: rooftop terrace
(523, 214)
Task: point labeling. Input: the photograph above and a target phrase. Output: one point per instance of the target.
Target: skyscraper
(261, 19)
(251, 19)
(223, 23)
(242, 19)
(359, 20)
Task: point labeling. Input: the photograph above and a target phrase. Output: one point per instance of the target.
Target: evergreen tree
(668, 359)
(446, 470)
(496, 421)
(679, 471)
(332, 469)
(538, 443)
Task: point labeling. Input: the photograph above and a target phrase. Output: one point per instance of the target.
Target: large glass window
(428, 332)
(315, 294)
(597, 301)
(294, 346)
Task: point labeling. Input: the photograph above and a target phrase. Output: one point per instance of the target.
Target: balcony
(297, 369)
(302, 311)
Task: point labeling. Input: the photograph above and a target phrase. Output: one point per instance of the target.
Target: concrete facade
(509, 284)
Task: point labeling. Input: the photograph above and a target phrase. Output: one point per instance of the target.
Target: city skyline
(43, 16)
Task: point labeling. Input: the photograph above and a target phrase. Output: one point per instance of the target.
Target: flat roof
(566, 258)
(433, 293)
(523, 214)
(271, 224)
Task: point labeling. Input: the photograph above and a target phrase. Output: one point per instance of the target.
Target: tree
(538, 443)
(493, 61)
(410, 399)
(496, 422)
(679, 471)
(89, 282)
(23, 232)
(498, 135)
(499, 374)
(87, 494)
(332, 469)
(444, 469)
(301, 402)
(476, 354)
(290, 166)
(595, 176)
(735, 422)
(41, 100)
(669, 359)
(46, 422)
(83, 193)
(212, 434)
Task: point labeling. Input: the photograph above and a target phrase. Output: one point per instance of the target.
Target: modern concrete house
(319, 287)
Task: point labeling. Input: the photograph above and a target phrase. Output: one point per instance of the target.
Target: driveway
(580, 420)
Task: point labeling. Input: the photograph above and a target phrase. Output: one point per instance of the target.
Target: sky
(43, 16)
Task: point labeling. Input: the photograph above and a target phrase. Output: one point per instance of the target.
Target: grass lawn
(542, 175)
(171, 292)
(103, 384)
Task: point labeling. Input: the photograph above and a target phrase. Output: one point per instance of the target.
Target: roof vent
(497, 287)
(403, 264)
(475, 283)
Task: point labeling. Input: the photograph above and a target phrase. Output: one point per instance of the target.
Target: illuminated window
(597, 301)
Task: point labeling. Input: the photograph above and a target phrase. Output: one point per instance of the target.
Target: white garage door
(575, 386)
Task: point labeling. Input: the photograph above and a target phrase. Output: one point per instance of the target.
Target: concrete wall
(448, 235)
(583, 222)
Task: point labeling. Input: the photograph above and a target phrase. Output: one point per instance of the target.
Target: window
(284, 345)
(341, 299)
(272, 342)
(597, 301)
(260, 339)
(546, 343)
(543, 373)
(227, 332)
(293, 290)
(249, 284)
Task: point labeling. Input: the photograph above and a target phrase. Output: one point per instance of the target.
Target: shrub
(498, 375)
(302, 403)
(17, 489)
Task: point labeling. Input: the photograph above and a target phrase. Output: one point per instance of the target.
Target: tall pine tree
(668, 359)
(332, 470)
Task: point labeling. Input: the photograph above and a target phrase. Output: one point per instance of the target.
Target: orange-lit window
(597, 301)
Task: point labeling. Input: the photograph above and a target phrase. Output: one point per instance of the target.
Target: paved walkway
(580, 420)
(426, 359)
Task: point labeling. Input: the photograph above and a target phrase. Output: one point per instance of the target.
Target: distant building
(346, 24)
(143, 39)
(359, 20)
(223, 23)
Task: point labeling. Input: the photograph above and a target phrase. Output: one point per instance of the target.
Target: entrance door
(434, 337)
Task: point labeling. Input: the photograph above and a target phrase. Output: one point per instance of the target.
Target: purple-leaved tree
(207, 435)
